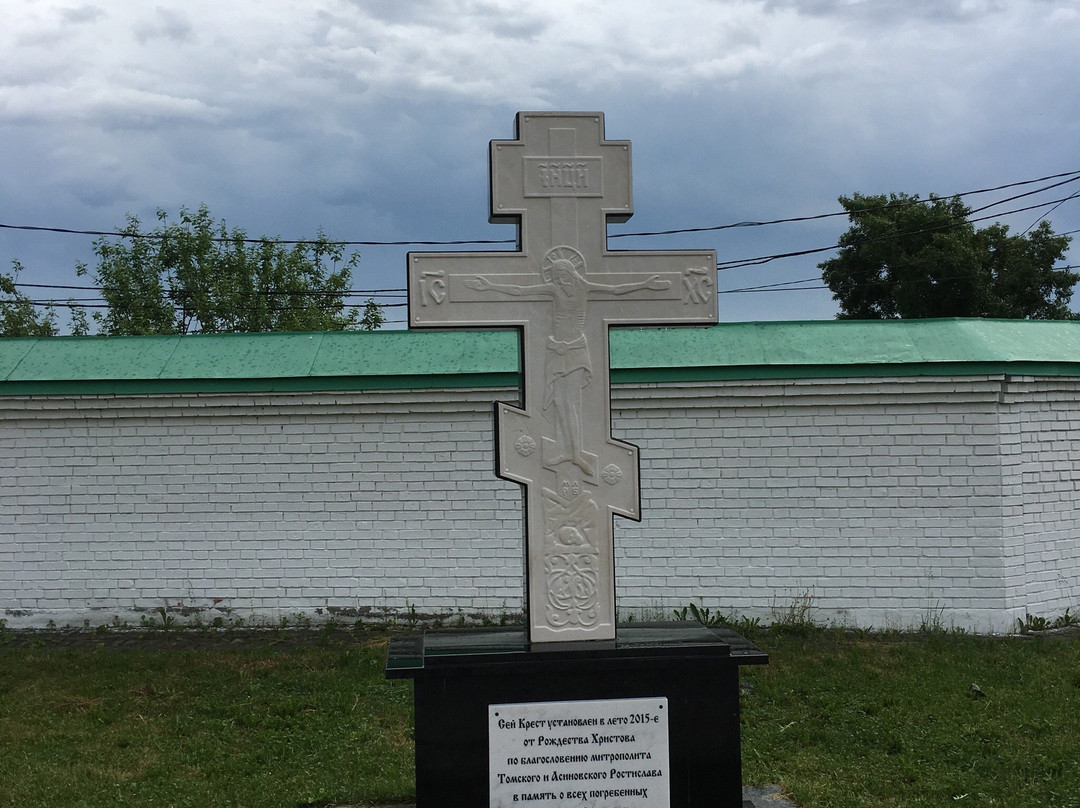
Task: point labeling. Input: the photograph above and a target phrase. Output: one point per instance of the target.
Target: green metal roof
(397, 359)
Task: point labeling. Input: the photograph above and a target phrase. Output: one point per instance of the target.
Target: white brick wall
(880, 500)
(1041, 433)
(885, 502)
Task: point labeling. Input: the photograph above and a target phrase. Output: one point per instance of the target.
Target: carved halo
(561, 253)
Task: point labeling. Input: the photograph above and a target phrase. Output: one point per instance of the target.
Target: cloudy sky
(370, 119)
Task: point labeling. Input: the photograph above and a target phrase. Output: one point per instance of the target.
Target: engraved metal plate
(601, 754)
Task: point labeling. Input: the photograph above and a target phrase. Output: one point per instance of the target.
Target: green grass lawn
(848, 721)
(256, 727)
(839, 719)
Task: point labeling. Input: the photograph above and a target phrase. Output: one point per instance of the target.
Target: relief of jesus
(567, 367)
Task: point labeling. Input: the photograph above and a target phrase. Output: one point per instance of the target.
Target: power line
(816, 288)
(770, 286)
(73, 304)
(1074, 175)
(780, 286)
(738, 263)
(1058, 205)
(790, 286)
(725, 265)
(1021, 196)
(742, 263)
(1055, 202)
(306, 292)
(228, 239)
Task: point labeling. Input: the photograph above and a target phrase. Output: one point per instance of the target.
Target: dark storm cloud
(886, 13)
(165, 24)
(371, 118)
(82, 14)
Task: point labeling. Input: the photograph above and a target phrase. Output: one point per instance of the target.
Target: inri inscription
(561, 181)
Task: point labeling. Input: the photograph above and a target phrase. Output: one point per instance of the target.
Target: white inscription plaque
(600, 754)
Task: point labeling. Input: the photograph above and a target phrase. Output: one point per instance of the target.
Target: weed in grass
(693, 612)
(654, 613)
(168, 621)
(1066, 620)
(1032, 623)
(746, 626)
(703, 614)
(795, 617)
(863, 633)
(933, 621)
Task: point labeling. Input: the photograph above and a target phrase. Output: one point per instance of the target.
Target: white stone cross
(563, 290)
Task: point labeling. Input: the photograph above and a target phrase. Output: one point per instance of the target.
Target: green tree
(906, 258)
(195, 274)
(373, 317)
(20, 316)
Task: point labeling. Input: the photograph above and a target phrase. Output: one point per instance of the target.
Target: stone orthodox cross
(563, 290)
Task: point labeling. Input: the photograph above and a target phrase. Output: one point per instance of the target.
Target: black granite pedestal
(458, 674)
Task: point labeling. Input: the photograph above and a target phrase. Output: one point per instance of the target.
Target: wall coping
(382, 360)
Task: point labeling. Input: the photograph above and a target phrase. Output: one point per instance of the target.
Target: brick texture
(883, 502)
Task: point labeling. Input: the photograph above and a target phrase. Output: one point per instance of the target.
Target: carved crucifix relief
(562, 181)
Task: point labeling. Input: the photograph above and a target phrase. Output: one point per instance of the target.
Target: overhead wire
(722, 265)
(75, 304)
(1023, 195)
(133, 234)
(740, 263)
(792, 287)
(1071, 176)
(1075, 175)
(1058, 205)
